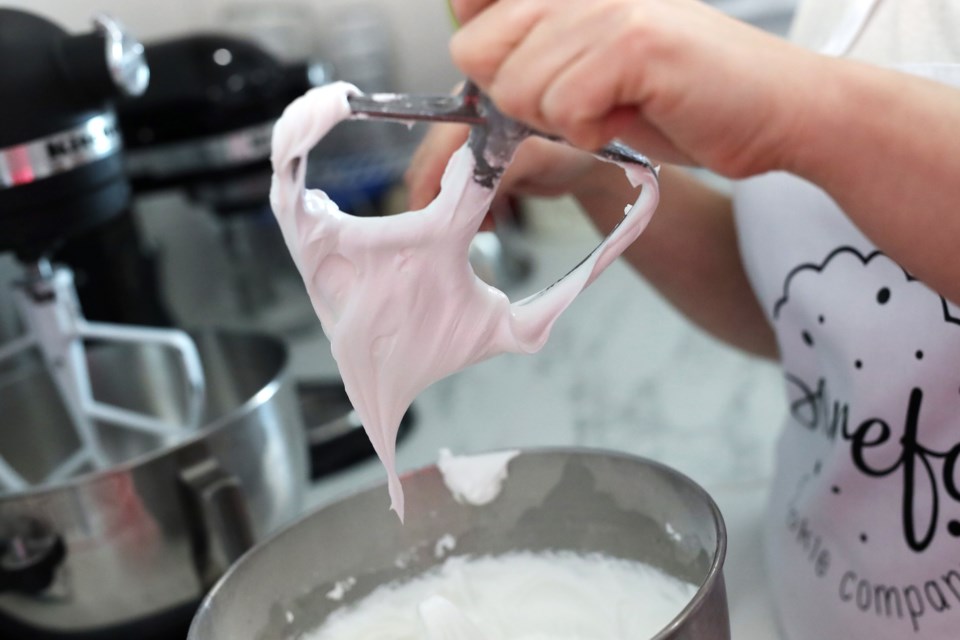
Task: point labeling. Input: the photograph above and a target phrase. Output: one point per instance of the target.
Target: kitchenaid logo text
(76, 142)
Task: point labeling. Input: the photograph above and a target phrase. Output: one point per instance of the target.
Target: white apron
(863, 538)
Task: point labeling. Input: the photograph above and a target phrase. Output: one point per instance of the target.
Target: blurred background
(197, 245)
(380, 45)
(110, 256)
(417, 30)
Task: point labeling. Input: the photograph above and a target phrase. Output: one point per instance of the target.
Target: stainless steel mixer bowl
(147, 537)
(573, 499)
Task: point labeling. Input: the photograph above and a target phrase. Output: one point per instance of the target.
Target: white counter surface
(621, 371)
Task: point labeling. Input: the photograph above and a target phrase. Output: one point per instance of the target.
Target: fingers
(588, 97)
(429, 162)
(544, 168)
(465, 10)
(592, 100)
(563, 66)
(481, 45)
(533, 65)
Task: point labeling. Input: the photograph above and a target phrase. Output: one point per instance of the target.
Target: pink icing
(396, 296)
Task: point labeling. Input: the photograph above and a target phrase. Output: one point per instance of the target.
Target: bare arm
(884, 145)
(689, 252)
(686, 84)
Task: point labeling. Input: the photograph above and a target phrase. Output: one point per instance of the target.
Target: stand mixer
(61, 173)
(202, 131)
(136, 463)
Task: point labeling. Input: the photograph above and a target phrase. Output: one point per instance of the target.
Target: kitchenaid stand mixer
(201, 133)
(61, 173)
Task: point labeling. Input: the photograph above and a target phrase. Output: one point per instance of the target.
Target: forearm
(884, 146)
(689, 252)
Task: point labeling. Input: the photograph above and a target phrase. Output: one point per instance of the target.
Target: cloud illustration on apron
(894, 403)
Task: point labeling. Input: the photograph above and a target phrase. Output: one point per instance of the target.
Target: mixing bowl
(129, 551)
(557, 499)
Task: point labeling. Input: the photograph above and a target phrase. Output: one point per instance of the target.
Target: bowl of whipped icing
(562, 544)
(551, 543)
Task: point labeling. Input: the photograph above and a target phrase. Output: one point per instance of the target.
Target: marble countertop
(621, 371)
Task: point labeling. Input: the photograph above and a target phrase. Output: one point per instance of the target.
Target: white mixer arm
(174, 339)
(55, 326)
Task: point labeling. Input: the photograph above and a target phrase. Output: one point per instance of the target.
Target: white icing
(341, 588)
(404, 558)
(517, 596)
(443, 620)
(396, 295)
(445, 544)
(476, 480)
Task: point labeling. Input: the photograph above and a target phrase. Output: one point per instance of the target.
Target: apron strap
(849, 28)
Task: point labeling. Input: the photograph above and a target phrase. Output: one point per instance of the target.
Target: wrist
(793, 97)
(818, 120)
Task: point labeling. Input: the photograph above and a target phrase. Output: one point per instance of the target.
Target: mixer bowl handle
(216, 499)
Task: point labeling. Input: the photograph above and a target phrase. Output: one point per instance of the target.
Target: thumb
(429, 162)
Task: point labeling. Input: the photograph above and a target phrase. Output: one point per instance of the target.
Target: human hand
(674, 78)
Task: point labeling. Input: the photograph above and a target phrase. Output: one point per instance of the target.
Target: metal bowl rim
(704, 589)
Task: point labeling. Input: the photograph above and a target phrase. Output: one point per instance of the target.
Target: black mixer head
(61, 169)
(205, 122)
